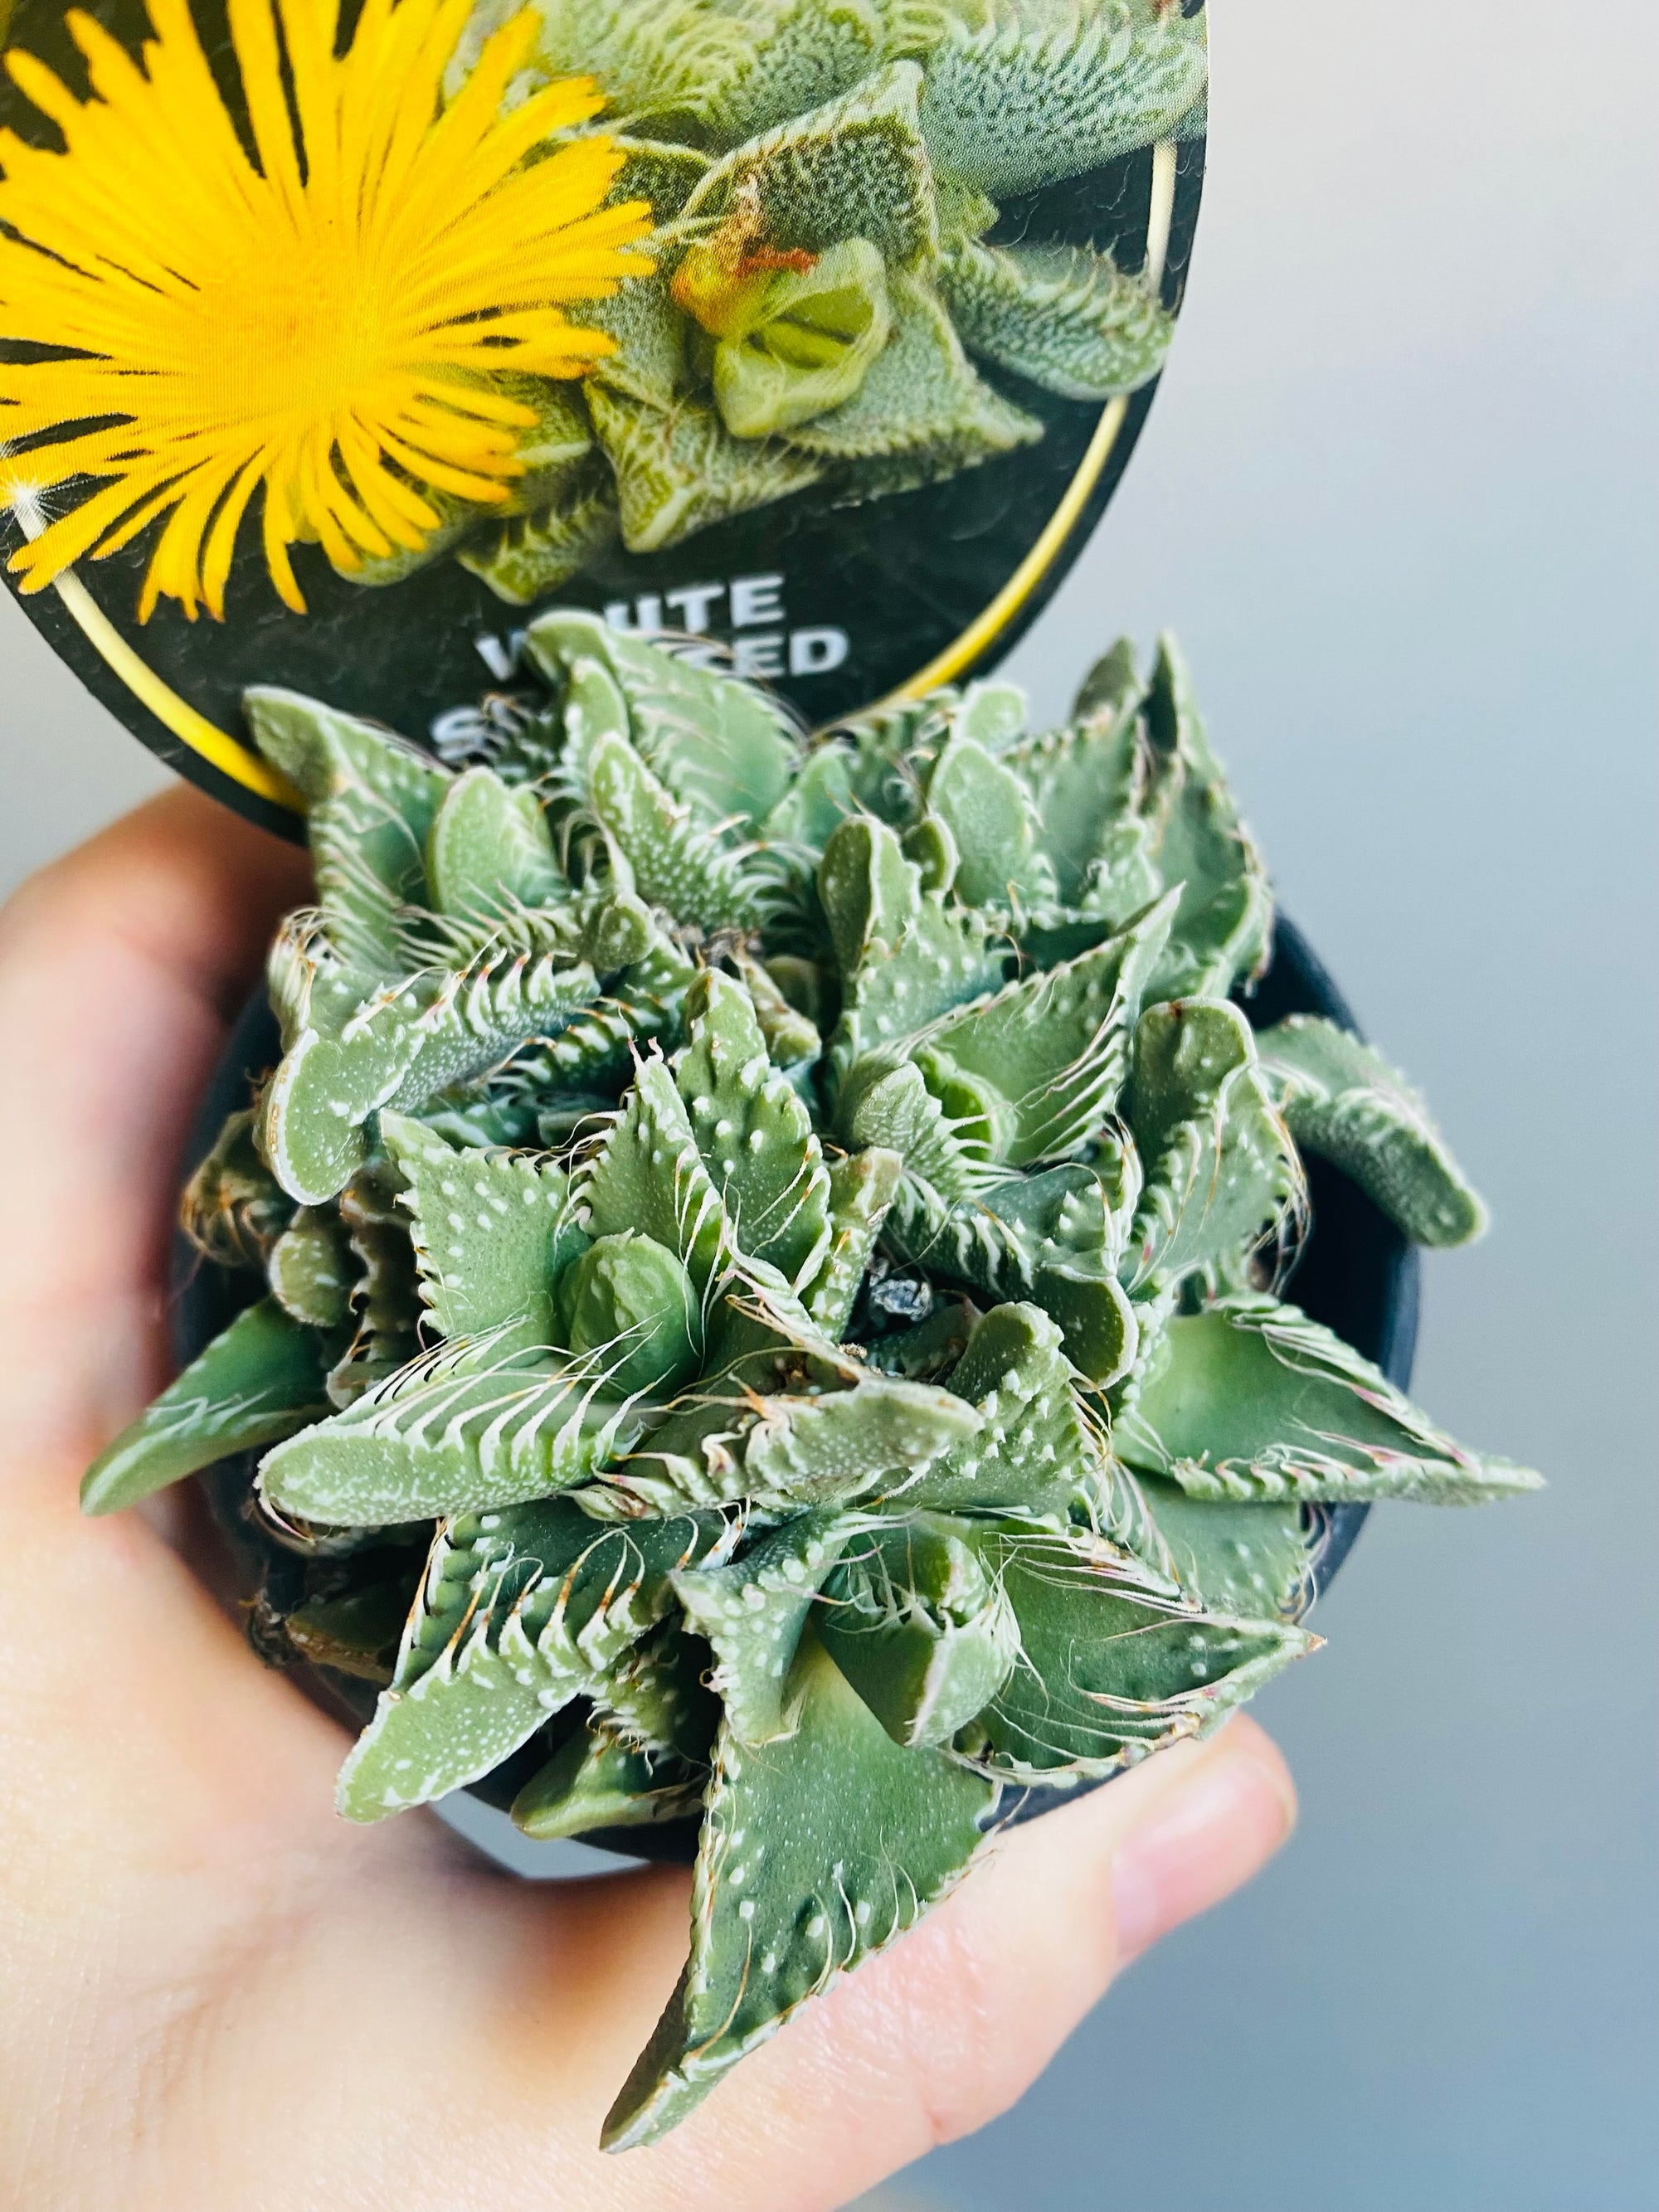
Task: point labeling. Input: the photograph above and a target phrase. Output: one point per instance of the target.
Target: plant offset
(762, 1266)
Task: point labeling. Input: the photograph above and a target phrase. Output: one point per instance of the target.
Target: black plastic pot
(1355, 1272)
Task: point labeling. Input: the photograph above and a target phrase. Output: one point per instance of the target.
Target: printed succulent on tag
(835, 308)
(608, 269)
(764, 1274)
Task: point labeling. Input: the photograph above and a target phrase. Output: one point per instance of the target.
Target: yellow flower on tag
(323, 320)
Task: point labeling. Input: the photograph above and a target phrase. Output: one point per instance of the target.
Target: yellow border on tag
(992, 620)
(234, 760)
(214, 744)
(995, 618)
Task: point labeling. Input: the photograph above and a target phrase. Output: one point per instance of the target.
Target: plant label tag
(337, 342)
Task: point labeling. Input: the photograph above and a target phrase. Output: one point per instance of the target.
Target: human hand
(218, 1995)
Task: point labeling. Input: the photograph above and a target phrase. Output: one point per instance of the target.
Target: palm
(219, 1991)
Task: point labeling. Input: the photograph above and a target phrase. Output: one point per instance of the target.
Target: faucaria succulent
(763, 1267)
(841, 289)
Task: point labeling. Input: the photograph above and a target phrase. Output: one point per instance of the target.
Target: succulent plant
(828, 179)
(763, 1270)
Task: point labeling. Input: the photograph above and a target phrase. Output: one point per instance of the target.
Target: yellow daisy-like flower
(324, 320)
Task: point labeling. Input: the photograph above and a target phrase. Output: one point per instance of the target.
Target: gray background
(1397, 495)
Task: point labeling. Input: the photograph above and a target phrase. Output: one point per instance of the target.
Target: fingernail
(1199, 1844)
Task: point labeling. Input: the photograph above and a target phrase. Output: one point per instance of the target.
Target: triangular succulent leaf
(1027, 94)
(1033, 1454)
(817, 1850)
(372, 799)
(754, 1611)
(993, 825)
(919, 1628)
(597, 1780)
(861, 1189)
(1064, 316)
(492, 1232)
(720, 747)
(489, 849)
(518, 1612)
(458, 1430)
(1225, 923)
(1032, 1073)
(1251, 1400)
(753, 1132)
(1238, 1559)
(1221, 1171)
(261, 1378)
(1110, 1670)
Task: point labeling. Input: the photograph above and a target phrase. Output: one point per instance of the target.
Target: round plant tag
(336, 341)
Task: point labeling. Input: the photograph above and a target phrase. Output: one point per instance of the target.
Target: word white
(761, 643)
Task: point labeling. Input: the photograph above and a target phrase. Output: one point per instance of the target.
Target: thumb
(939, 2035)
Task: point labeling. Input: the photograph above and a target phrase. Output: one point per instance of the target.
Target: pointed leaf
(372, 797)
(754, 1610)
(1039, 94)
(536, 552)
(417, 1037)
(648, 1176)
(679, 469)
(458, 1431)
(1034, 1071)
(1250, 1559)
(906, 959)
(491, 1230)
(1221, 1169)
(861, 1189)
(854, 167)
(721, 747)
(518, 1612)
(1222, 927)
(489, 849)
(675, 864)
(1112, 686)
(993, 825)
(596, 1780)
(812, 1450)
(1252, 1399)
(1087, 782)
(1034, 1453)
(1111, 1671)
(817, 1852)
(871, 894)
(261, 1378)
(918, 1627)
(815, 803)
(1064, 316)
(753, 1132)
